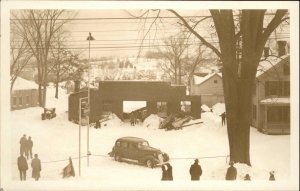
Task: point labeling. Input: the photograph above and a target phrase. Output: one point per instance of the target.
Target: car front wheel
(117, 158)
(149, 163)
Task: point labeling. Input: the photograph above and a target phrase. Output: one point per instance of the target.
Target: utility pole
(89, 38)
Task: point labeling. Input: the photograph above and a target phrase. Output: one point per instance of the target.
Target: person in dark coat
(169, 172)
(195, 170)
(223, 116)
(247, 177)
(231, 172)
(23, 142)
(36, 167)
(98, 124)
(164, 173)
(22, 166)
(29, 145)
(272, 177)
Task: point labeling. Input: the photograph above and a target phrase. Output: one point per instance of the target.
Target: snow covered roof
(276, 100)
(22, 84)
(265, 65)
(199, 80)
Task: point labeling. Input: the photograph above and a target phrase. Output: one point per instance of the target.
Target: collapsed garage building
(110, 95)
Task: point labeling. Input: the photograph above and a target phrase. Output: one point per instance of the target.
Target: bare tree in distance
(38, 28)
(63, 62)
(20, 56)
(242, 35)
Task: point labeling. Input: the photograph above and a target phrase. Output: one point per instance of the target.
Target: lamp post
(82, 112)
(89, 38)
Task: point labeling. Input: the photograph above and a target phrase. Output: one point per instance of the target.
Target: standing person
(223, 116)
(231, 172)
(169, 172)
(29, 145)
(22, 166)
(272, 177)
(132, 119)
(164, 173)
(98, 124)
(247, 177)
(195, 170)
(23, 142)
(36, 167)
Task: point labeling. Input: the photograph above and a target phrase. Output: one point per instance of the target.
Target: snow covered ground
(56, 140)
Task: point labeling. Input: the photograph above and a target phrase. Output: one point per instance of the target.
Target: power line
(110, 18)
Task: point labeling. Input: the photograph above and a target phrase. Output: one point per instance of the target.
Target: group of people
(134, 119)
(196, 172)
(26, 148)
(232, 172)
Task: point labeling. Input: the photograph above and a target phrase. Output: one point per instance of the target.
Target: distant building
(110, 96)
(24, 94)
(271, 99)
(209, 87)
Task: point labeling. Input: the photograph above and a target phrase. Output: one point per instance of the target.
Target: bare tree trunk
(56, 85)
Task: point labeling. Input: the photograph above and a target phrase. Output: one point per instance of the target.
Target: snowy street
(57, 139)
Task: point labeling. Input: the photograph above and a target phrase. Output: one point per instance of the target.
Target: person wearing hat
(231, 172)
(29, 145)
(36, 167)
(247, 177)
(195, 170)
(23, 142)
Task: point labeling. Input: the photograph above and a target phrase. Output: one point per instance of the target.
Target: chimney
(281, 48)
(77, 86)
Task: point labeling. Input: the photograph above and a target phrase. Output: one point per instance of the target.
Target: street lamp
(89, 38)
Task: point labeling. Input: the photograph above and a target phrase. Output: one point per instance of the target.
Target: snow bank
(152, 122)
(205, 108)
(218, 108)
(114, 121)
(204, 141)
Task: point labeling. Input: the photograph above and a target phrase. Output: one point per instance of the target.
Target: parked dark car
(138, 150)
(49, 113)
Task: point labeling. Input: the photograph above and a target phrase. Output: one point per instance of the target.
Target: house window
(254, 112)
(277, 114)
(277, 88)
(27, 100)
(185, 106)
(161, 107)
(215, 81)
(20, 101)
(14, 101)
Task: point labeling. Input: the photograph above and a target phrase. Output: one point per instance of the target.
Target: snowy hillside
(57, 139)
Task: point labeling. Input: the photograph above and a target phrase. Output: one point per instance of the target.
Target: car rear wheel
(117, 158)
(149, 163)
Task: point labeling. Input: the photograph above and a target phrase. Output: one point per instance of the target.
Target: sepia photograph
(140, 95)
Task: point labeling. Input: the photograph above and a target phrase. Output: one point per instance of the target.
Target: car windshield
(143, 144)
